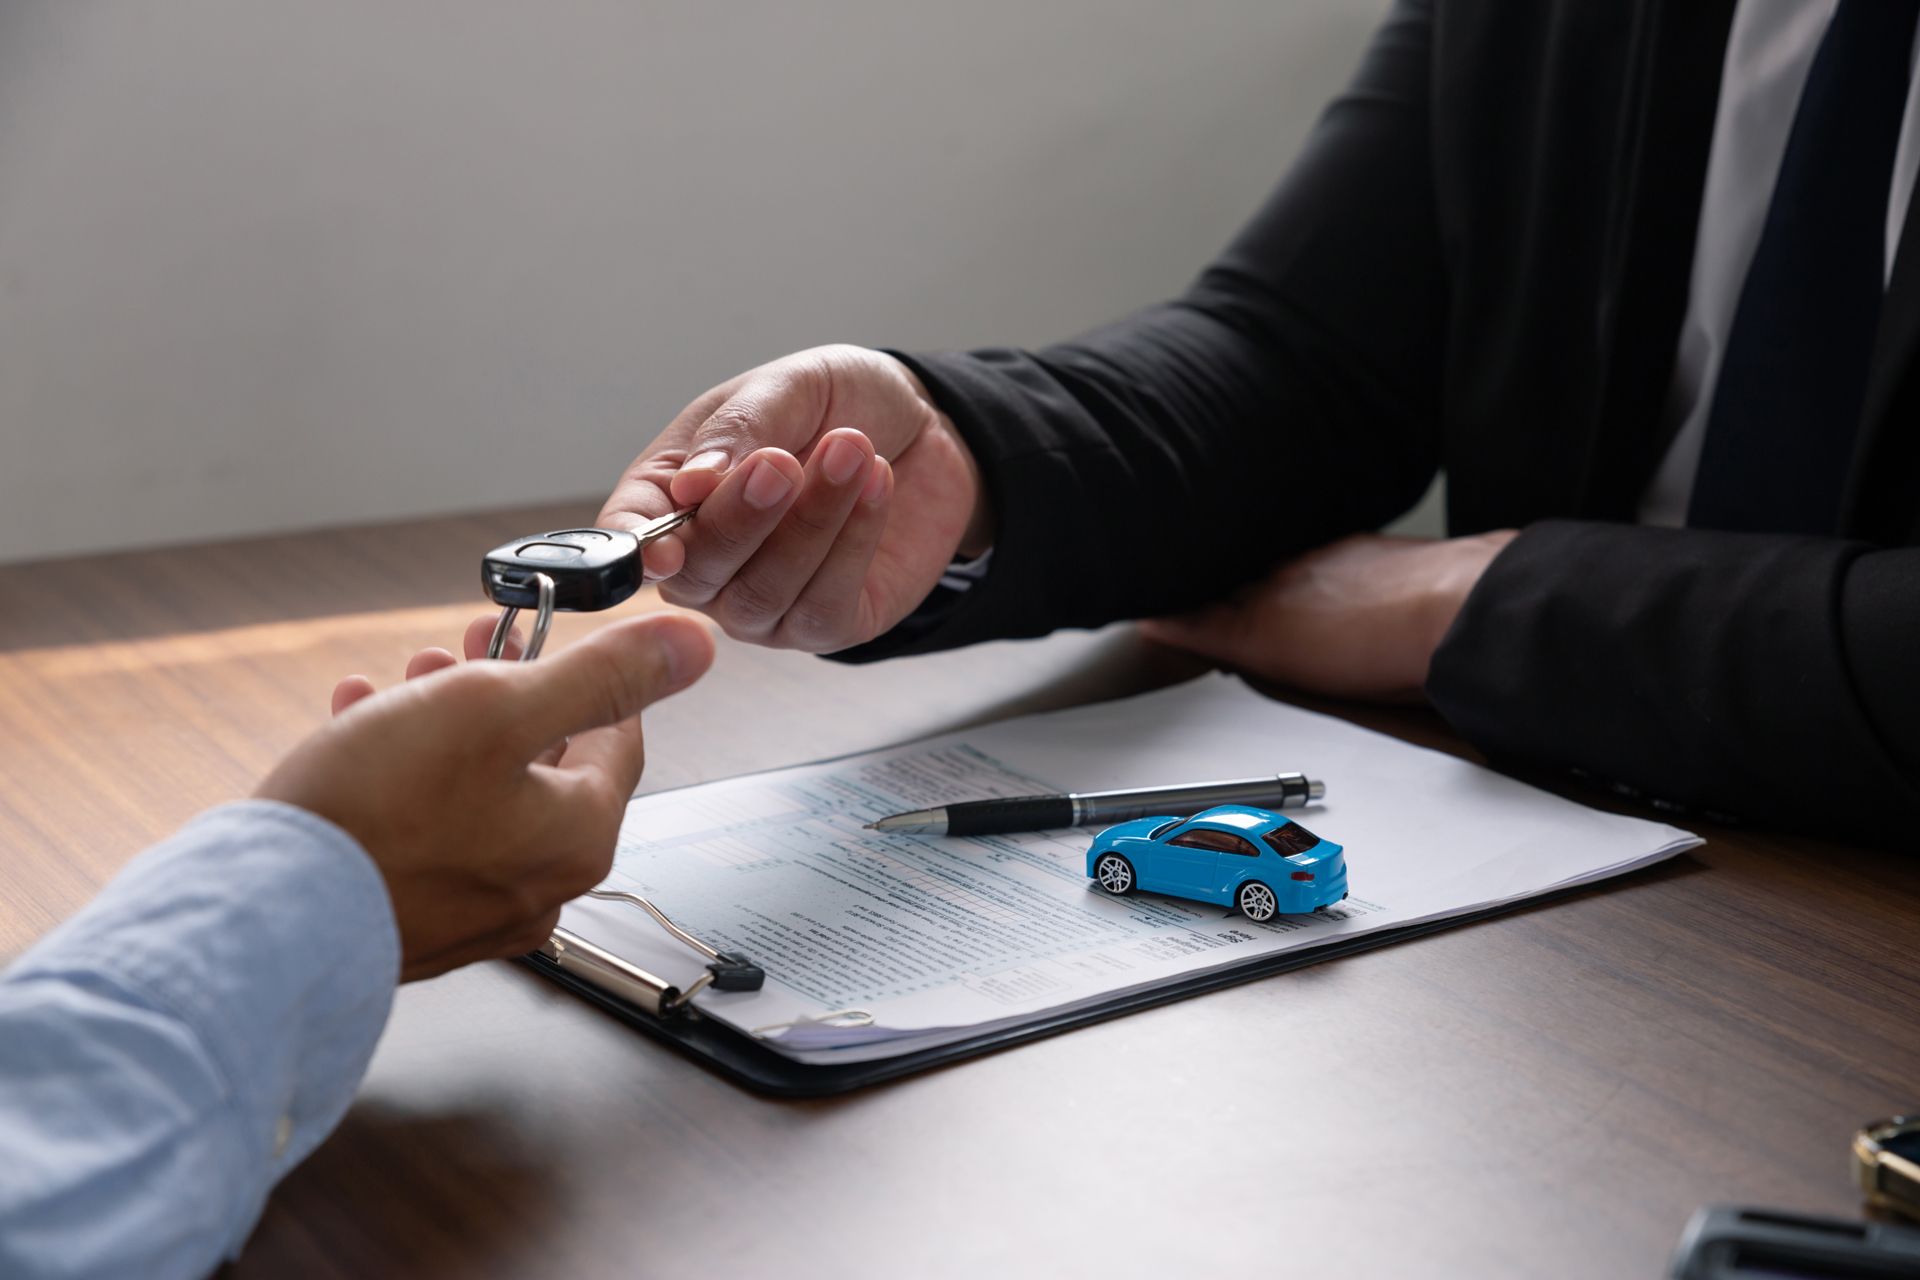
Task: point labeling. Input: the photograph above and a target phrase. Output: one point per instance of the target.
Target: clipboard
(1513, 845)
(741, 1059)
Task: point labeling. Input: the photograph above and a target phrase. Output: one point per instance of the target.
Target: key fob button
(586, 537)
(551, 552)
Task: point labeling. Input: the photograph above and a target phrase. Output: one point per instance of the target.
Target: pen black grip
(994, 817)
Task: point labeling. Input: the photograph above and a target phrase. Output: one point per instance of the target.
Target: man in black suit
(1639, 276)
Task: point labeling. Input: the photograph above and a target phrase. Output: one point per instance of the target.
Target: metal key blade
(660, 525)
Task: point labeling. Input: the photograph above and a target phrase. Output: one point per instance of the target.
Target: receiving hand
(490, 793)
(1357, 619)
(832, 495)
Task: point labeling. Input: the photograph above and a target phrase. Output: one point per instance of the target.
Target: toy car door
(1190, 862)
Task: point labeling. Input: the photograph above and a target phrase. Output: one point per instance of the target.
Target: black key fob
(591, 569)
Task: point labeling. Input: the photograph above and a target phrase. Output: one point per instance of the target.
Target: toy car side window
(1218, 841)
(1291, 839)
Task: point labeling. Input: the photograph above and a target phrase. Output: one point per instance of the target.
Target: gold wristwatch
(1886, 1164)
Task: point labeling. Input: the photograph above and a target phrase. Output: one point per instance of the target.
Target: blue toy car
(1235, 855)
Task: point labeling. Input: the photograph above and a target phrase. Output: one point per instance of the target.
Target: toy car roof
(1240, 817)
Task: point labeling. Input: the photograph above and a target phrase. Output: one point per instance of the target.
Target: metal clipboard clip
(726, 970)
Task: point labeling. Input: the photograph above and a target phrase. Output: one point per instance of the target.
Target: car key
(591, 569)
(572, 570)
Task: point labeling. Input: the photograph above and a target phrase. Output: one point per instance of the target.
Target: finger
(777, 406)
(530, 935)
(428, 661)
(753, 602)
(697, 477)
(641, 494)
(733, 523)
(603, 680)
(663, 557)
(1220, 632)
(349, 691)
(834, 610)
(611, 758)
(1179, 630)
(475, 643)
(479, 636)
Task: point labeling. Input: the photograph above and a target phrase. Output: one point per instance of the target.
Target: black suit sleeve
(1764, 677)
(1289, 397)
(1293, 395)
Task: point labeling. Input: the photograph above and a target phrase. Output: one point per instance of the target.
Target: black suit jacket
(1480, 262)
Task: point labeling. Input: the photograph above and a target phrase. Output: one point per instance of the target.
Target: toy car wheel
(1256, 902)
(1114, 874)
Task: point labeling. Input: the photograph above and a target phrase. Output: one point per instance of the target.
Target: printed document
(878, 944)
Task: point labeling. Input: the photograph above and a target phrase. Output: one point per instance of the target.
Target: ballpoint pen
(1099, 808)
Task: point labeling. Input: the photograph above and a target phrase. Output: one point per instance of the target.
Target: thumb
(775, 406)
(608, 678)
(1218, 632)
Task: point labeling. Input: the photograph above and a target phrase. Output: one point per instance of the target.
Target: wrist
(1467, 560)
(976, 537)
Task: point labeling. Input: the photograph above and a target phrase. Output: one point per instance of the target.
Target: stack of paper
(878, 945)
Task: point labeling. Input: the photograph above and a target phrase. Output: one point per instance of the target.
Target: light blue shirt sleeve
(170, 1052)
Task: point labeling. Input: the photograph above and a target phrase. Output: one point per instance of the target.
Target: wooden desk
(1551, 1093)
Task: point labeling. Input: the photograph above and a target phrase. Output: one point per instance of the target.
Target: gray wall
(266, 265)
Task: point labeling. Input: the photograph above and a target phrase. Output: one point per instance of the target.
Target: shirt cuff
(267, 932)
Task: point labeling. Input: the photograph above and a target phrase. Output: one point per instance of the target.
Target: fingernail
(843, 459)
(767, 485)
(876, 482)
(711, 460)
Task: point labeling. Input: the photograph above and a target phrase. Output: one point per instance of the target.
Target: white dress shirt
(1769, 52)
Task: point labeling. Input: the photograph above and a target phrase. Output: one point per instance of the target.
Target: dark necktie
(1787, 406)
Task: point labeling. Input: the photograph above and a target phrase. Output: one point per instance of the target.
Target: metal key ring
(542, 620)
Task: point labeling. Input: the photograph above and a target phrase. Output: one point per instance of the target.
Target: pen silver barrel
(1103, 808)
(1282, 791)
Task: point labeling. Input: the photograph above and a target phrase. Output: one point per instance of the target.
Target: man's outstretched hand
(1357, 619)
(832, 495)
(490, 793)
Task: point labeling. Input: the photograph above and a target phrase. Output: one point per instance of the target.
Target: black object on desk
(1724, 1243)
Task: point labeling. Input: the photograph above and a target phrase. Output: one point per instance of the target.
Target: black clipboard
(745, 1061)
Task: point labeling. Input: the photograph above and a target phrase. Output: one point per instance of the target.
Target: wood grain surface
(1547, 1094)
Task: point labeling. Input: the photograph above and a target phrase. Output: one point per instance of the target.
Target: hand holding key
(832, 494)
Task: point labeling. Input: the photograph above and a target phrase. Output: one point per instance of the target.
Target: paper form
(936, 938)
